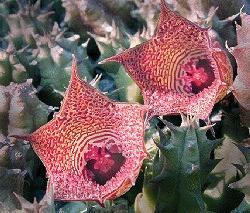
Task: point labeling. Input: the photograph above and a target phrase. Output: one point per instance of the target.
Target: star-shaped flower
(93, 148)
(180, 69)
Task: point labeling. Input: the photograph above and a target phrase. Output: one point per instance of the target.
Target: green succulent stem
(175, 179)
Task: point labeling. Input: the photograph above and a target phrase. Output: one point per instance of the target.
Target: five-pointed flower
(93, 148)
(180, 69)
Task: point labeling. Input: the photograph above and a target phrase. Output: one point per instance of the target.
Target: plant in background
(243, 184)
(93, 149)
(20, 113)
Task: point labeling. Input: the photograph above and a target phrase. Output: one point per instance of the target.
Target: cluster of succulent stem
(175, 178)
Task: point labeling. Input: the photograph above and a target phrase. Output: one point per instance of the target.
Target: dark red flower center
(103, 162)
(197, 76)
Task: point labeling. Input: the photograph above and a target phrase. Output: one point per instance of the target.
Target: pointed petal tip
(73, 57)
(116, 58)
(106, 60)
(74, 70)
(74, 66)
(21, 137)
(163, 4)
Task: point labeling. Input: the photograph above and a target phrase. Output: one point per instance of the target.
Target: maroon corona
(180, 69)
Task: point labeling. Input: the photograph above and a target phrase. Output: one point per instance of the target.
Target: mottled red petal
(157, 67)
(241, 85)
(88, 126)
